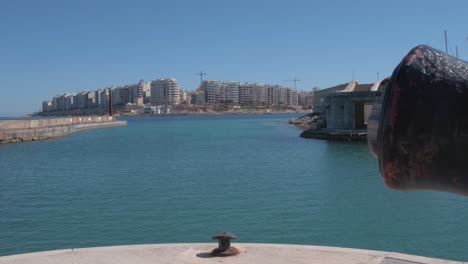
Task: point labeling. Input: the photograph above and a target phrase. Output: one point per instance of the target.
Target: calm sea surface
(182, 179)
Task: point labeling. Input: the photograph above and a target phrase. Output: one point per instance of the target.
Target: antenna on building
(201, 74)
(295, 80)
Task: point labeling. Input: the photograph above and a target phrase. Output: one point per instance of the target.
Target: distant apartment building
(47, 106)
(63, 102)
(81, 100)
(184, 96)
(232, 92)
(104, 98)
(306, 98)
(198, 98)
(146, 87)
(120, 95)
(165, 92)
(287, 97)
(272, 94)
(210, 88)
(256, 94)
(245, 93)
(93, 99)
(137, 92)
(220, 91)
(260, 93)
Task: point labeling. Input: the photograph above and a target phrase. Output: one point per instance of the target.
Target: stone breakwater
(17, 131)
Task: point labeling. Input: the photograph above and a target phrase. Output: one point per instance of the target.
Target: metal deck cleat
(224, 245)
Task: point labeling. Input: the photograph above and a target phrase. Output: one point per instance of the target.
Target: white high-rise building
(287, 96)
(253, 93)
(165, 92)
(210, 88)
(232, 92)
(220, 91)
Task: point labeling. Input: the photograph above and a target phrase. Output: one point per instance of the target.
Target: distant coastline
(254, 112)
(180, 113)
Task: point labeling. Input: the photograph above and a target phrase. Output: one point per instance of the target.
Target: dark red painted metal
(111, 110)
(422, 133)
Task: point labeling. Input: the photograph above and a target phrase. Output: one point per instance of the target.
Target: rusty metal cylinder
(418, 129)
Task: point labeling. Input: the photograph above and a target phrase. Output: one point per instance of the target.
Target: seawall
(16, 131)
(199, 253)
(336, 134)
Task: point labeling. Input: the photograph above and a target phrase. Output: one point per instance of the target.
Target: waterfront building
(255, 93)
(81, 100)
(93, 99)
(104, 98)
(198, 98)
(146, 87)
(320, 103)
(272, 95)
(290, 98)
(260, 92)
(215, 92)
(347, 106)
(63, 102)
(136, 93)
(115, 95)
(281, 95)
(59, 102)
(69, 101)
(220, 91)
(165, 92)
(211, 88)
(121, 95)
(151, 110)
(47, 106)
(99, 99)
(183, 96)
(305, 98)
(246, 95)
(133, 108)
(232, 92)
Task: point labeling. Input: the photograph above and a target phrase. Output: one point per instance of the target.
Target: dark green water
(182, 179)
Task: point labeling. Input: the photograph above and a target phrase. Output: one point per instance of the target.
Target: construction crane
(201, 74)
(295, 80)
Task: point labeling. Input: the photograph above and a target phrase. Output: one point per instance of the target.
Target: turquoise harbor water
(182, 179)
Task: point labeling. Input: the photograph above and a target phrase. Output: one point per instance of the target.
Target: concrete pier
(17, 131)
(199, 253)
(336, 134)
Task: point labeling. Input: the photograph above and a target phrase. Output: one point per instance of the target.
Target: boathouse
(346, 106)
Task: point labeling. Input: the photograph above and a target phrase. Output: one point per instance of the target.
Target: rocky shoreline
(314, 126)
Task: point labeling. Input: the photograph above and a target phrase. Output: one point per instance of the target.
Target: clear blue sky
(50, 47)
